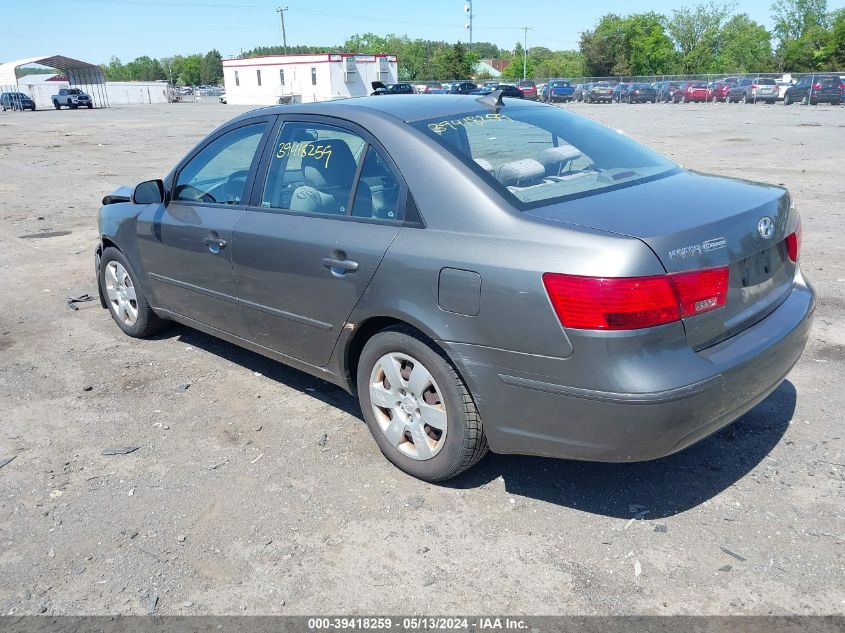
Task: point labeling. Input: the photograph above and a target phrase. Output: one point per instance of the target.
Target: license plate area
(757, 269)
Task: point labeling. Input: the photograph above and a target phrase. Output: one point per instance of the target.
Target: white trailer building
(302, 78)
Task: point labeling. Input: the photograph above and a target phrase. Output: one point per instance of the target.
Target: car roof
(407, 108)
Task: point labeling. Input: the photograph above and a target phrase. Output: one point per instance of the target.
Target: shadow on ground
(664, 487)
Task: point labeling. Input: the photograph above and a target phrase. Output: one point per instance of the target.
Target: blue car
(557, 90)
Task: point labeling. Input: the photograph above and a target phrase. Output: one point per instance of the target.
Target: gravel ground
(257, 489)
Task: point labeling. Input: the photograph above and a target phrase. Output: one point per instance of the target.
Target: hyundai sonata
(479, 272)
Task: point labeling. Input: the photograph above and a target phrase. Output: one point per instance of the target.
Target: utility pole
(525, 30)
(468, 25)
(281, 12)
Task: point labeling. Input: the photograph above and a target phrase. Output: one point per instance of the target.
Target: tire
(90, 105)
(462, 444)
(56, 105)
(146, 322)
(786, 100)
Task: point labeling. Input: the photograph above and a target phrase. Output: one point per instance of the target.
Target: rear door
(186, 243)
(326, 209)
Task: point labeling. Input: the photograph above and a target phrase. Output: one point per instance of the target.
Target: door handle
(340, 267)
(214, 244)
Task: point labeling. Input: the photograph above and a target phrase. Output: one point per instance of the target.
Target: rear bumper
(532, 413)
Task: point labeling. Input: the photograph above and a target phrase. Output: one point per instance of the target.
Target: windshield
(537, 155)
(74, 92)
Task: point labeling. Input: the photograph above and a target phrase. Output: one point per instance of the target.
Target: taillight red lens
(817, 86)
(628, 303)
(793, 243)
(700, 291)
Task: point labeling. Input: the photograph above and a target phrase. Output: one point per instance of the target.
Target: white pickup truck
(72, 98)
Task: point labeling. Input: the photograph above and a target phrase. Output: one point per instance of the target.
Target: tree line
(709, 37)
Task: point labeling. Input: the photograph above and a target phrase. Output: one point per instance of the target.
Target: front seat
(328, 182)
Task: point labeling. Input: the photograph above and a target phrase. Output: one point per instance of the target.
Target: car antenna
(494, 99)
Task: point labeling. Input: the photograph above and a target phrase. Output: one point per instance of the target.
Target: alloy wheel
(121, 293)
(408, 405)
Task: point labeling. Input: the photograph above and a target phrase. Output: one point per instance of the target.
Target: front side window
(534, 156)
(218, 173)
(313, 170)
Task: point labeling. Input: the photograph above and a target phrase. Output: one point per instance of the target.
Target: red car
(690, 91)
(718, 91)
(529, 89)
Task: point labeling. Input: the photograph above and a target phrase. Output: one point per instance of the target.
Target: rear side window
(534, 156)
(313, 170)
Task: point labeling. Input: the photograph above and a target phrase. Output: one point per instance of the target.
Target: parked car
(640, 93)
(753, 90)
(391, 89)
(665, 90)
(620, 90)
(557, 90)
(461, 88)
(718, 91)
(16, 101)
(599, 92)
(580, 91)
(816, 88)
(222, 98)
(310, 233)
(508, 90)
(72, 98)
(690, 91)
(431, 86)
(529, 88)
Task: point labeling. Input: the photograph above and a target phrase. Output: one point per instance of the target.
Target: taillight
(628, 303)
(754, 86)
(793, 243)
(817, 86)
(842, 86)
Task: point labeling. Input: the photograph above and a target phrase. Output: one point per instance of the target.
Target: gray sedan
(479, 272)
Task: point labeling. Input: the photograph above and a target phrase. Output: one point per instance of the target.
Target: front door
(305, 253)
(186, 244)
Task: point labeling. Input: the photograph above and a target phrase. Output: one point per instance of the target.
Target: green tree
(452, 62)
(801, 27)
(836, 46)
(632, 45)
(211, 70)
(746, 46)
(696, 34)
(520, 61)
(190, 70)
(603, 47)
(115, 70)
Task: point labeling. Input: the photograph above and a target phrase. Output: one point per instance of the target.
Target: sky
(94, 30)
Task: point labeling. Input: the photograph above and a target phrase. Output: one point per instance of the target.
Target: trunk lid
(693, 221)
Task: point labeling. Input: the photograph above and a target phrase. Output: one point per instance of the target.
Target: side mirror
(149, 192)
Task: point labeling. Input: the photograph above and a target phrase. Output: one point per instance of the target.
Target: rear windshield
(697, 84)
(559, 84)
(827, 79)
(638, 86)
(765, 81)
(534, 156)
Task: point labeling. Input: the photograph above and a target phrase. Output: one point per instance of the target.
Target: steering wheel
(188, 192)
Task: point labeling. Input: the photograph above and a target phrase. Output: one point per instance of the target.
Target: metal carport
(88, 77)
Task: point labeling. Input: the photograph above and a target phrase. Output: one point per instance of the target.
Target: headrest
(330, 170)
(559, 154)
(520, 172)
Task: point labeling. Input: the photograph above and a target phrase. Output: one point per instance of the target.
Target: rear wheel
(56, 105)
(417, 407)
(786, 100)
(126, 300)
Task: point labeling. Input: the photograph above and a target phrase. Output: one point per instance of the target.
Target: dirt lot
(233, 504)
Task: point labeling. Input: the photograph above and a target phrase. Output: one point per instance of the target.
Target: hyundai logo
(766, 227)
